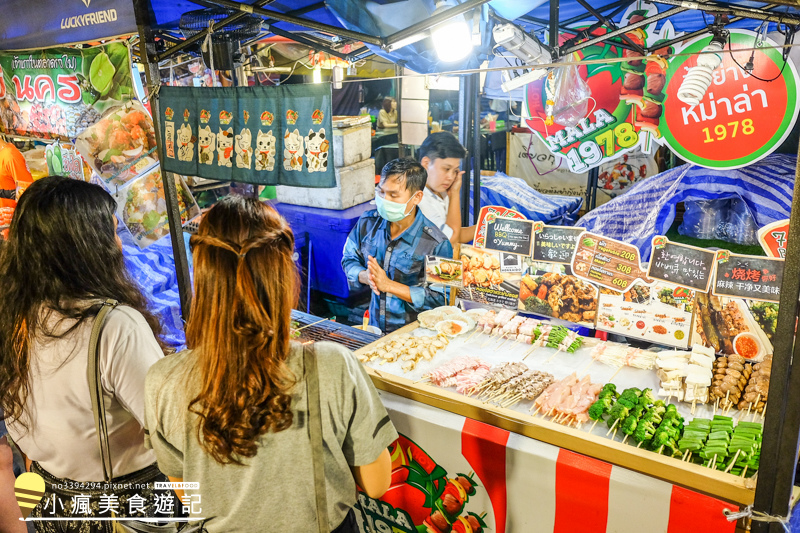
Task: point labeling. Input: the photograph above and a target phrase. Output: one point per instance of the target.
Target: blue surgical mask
(391, 211)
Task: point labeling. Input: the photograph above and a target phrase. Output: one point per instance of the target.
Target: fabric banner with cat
(263, 135)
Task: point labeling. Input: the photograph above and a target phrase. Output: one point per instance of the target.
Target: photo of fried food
(445, 271)
(481, 270)
(560, 296)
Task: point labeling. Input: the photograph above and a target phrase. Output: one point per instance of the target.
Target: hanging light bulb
(316, 75)
(451, 38)
(698, 79)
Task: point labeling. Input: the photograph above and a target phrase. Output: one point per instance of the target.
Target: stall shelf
(705, 480)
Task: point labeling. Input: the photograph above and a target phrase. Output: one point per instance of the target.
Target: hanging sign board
(509, 235)
(680, 264)
(773, 238)
(741, 119)
(748, 276)
(58, 92)
(626, 100)
(607, 262)
(554, 244)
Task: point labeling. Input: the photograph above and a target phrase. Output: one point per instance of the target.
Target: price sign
(607, 262)
(748, 276)
(683, 265)
(554, 244)
(509, 235)
(773, 238)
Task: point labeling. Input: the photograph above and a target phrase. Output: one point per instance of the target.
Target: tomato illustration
(640, 324)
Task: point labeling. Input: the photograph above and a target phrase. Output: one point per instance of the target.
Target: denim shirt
(403, 259)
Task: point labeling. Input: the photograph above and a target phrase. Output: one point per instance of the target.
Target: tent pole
(782, 420)
(464, 134)
(476, 150)
(147, 47)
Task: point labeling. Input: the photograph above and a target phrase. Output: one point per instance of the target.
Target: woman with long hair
(238, 424)
(63, 259)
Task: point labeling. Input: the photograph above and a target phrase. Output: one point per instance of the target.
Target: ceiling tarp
(27, 24)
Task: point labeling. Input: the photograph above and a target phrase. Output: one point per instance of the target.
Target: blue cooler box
(327, 231)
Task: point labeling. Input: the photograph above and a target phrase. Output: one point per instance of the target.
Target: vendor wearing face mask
(386, 249)
(441, 155)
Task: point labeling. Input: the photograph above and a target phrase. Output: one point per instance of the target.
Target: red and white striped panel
(527, 485)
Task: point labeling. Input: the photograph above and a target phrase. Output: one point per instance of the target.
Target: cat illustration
(317, 151)
(185, 143)
(265, 151)
(293, 150)
(225, 147)
(244, 149)
(207, 143)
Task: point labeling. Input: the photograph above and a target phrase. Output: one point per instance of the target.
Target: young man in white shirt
(441, 155)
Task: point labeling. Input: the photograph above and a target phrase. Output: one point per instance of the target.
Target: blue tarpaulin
(648, 209)
(46, 23)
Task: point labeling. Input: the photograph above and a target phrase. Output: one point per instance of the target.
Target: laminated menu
(607, 262)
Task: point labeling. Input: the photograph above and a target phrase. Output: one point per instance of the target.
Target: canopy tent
(48, 23)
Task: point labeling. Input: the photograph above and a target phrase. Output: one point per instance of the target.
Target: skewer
(491, 340)
(615, 374)
(690, 456)
(727, 395)
(661, 449)
(625, 439)
(552, 357)
(763, 411)
(685, 455)
(501, 344)
(694, 400)
(530, 352)
(473, 334)
(587, 367)
(744, 472)
(733, 461)
(749, 406)
(309, 325)
(716, 404)
(593, 425)
(640, 444)
(612, 427)
(713, 462)
(537, 410)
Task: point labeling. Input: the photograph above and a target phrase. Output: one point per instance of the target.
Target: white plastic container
(354, 185)
(352, 140)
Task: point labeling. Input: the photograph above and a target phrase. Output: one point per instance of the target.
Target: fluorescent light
(451, 38)
(316, 75)
(519, 81)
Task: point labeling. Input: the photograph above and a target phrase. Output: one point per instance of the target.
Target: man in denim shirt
(386, 249)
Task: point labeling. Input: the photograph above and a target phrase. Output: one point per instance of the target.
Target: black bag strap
(315, 428)
(96, 388)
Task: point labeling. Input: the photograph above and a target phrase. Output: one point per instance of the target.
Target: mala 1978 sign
(741, 118)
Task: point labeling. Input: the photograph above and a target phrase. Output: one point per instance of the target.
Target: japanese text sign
(555, 244)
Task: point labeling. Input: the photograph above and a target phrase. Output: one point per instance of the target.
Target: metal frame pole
(476, 151)
(464, 133)
(147, 46)
(432, 21)
(782, 418)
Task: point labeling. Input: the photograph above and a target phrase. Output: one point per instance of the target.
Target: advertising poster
(735, 325)
(626, 105)
(490, 277)
(773, 238)
(142, 208)
(550, 289)
(56, 93)
(660, 313)
(549, 173)
(443, 271)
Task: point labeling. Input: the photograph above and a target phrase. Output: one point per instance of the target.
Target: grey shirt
(274, 490)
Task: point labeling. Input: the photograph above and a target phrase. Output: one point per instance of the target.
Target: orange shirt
(13, 171)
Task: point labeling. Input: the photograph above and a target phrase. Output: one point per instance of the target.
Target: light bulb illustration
(29, 489)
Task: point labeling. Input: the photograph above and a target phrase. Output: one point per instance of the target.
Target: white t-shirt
(61, 434)
(435, 208)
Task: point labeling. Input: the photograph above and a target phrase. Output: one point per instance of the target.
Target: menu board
(748, 276)
(550, 289)
(509, 235)
(661, 313)
(443, 270)
(488, 214)
(773, 238)
(490, 277)
(681, 264)
(607, 262)
(555, 244)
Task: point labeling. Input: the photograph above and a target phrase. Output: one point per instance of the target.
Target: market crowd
(268, 433)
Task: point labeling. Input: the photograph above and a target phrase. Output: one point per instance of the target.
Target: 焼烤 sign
(554, 244)
(607, 262)
(59, 92)
(743, 117)
(509, 235)
(680, 264)
(748, 276)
